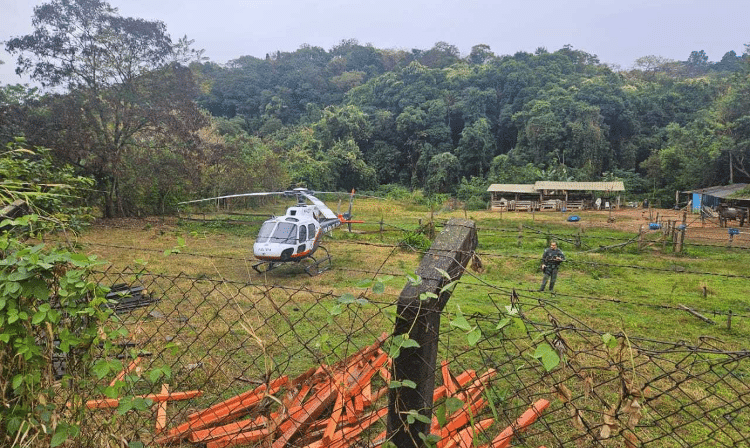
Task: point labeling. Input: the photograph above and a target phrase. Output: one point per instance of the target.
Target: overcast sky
(618, 32)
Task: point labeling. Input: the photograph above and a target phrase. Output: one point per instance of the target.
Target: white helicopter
(295, 236)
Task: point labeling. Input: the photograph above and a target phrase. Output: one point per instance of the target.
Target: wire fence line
(280, 348)
(488, 256)
(277, 348)
(674, 269)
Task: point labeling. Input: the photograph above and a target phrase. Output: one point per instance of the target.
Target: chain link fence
(202, 361)
(207, 362)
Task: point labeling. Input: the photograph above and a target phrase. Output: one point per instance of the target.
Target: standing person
(551, 259)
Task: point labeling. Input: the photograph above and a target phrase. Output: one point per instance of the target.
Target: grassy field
(240, 325)
(641, 291)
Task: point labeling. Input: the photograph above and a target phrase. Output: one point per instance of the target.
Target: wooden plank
(350, 433)
(458, 420)
(461, 380)
(465, 437)
(249, 424)
(448, 378)
(129, 368)
(335, 418)
(305, 414)
(521, 424)
(221, 411)
(242, 438)
(205, 435)
(239, 402)
(161, 411)
(697, 314)
(104, 403)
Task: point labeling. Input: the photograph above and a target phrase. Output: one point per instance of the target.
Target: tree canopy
(125, 89)
(360, 116)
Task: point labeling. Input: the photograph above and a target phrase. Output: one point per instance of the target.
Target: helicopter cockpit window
(285, 233)
(302, 233)
(311, 230)
(265, 232)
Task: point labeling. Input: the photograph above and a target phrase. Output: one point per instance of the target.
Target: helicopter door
(311, 231)
(302, 238)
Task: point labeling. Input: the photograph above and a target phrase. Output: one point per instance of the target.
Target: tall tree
(124, 84)
(476, 148)
(697, 63)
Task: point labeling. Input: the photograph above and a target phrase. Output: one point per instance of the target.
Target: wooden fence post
(451, 252)
(520, 235)
(683, 228)
(640, 238)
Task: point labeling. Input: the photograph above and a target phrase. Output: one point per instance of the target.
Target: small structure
(512, 197)
(713, 196)
(548, 195)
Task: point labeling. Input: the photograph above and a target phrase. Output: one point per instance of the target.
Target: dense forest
(153, 122)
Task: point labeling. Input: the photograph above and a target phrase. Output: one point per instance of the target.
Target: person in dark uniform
(551, 259)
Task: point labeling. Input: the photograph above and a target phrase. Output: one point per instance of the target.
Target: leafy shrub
(416, 241)
(48, 311)
(50, 191)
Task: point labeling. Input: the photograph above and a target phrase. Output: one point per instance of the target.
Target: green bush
(48, 310)
(417, 241)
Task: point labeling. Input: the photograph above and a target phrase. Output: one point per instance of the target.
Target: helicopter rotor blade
(327, 212)
(241, 195)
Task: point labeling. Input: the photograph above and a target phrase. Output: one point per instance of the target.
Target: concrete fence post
(419, 317)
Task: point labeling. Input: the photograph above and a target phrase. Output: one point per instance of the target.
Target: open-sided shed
(577, 194)
(508, 196)
(549, 195)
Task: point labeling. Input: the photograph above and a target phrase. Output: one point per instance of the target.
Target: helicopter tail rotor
(347, 217)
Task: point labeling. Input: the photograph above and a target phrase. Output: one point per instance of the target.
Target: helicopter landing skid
(313, 266)
(318, 265)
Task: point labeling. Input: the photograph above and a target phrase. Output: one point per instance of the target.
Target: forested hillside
(153, 123)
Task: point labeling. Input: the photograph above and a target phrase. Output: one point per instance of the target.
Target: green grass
(624, 290)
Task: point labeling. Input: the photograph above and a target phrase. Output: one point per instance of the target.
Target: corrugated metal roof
(720, 191)
(512, 188)
(583, 186)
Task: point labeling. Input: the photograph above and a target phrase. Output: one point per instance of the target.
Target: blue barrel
(654, 226)
(681, 227)
(733, 231)
(574, 218)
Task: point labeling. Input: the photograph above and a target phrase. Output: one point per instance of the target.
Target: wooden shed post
(419, 318)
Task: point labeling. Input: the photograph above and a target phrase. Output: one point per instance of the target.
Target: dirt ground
(705, 231)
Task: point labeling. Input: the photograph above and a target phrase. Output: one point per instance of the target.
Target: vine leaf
(547, 355)
(460, 321)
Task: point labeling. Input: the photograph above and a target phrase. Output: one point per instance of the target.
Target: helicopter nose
(261, 249)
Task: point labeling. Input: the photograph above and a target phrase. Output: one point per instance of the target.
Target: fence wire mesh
(212, 362)
(278, 366)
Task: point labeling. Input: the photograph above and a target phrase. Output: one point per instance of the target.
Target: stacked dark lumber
(122, 298)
